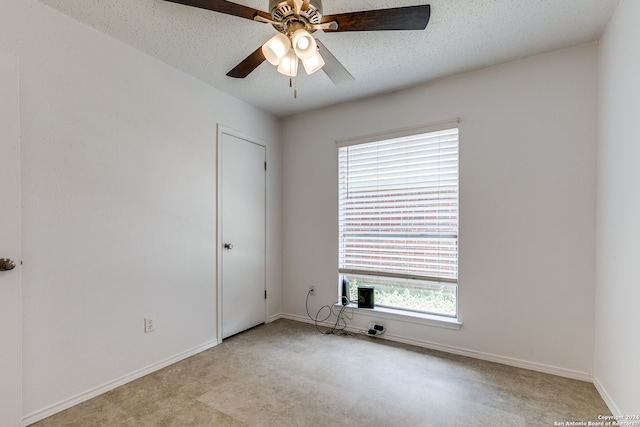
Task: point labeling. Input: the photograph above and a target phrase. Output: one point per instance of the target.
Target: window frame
(386, 136)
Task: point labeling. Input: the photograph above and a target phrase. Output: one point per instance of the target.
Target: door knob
(228, 246)
(6, 264)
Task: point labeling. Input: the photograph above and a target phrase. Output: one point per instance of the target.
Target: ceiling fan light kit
(282, 51)
(297, 20)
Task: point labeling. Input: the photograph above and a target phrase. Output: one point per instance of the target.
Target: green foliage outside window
(440, 299)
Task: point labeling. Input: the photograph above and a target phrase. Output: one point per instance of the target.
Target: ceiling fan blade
(224, 6)
(333, 68)
(397, 18)
(249, 64)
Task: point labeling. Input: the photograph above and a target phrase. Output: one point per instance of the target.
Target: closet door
(242, 211)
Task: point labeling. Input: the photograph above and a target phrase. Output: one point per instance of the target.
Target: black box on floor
(365, 297)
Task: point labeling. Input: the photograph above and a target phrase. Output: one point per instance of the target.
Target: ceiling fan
(296, 20)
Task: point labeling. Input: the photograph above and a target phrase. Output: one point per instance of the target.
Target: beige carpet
(287, 374)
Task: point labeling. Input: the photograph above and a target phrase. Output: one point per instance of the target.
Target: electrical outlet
(149, 325)
(375, 329)
(312, 290)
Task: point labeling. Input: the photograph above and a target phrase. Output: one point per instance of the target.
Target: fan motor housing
(282, 11)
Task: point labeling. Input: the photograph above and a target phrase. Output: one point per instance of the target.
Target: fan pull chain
(292, 84)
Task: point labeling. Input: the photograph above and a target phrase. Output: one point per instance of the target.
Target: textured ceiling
(462, 35)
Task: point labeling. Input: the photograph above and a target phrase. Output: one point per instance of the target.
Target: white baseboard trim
(518, 363)
(606, 397)
(89, 394)
(274, 317)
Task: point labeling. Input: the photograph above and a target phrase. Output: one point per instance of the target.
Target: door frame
(219, 241)
(11, 389)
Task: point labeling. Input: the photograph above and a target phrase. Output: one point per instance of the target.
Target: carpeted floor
(287, 374)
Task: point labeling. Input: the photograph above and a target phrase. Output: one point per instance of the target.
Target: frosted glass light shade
(289, 65)
(304, 44)
(276, 48)
(313, 64)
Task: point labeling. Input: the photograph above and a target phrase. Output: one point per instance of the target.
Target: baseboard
(274, 317)
(606, 397)
(518, 363)
(82, 397)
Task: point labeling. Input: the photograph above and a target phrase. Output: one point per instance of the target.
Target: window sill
(407, 316)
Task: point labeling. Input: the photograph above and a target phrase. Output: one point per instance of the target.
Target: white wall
(527, 216)
(119, 214)
(617, 347)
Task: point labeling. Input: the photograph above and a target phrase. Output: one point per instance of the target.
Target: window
(398, 218)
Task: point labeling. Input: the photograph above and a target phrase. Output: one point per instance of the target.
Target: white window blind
(398, 207)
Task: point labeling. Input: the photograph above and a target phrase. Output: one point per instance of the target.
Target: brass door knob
(6, 264)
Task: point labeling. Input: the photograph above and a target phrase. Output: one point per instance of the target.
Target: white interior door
(10, 290)
(242, 233)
